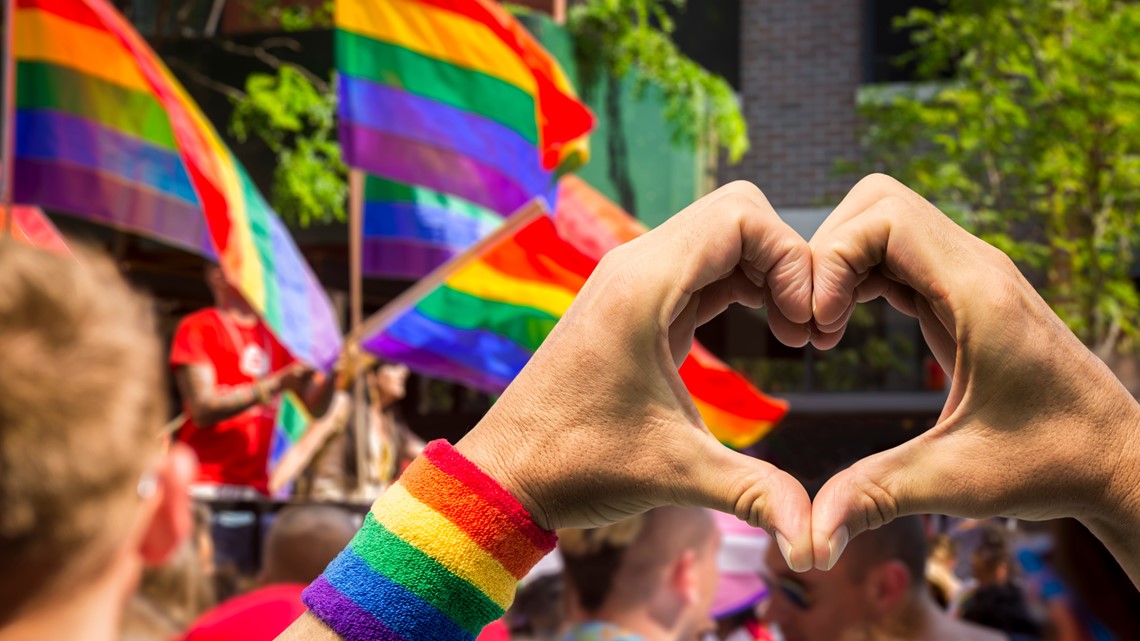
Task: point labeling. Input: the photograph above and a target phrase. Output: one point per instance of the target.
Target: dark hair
(903, 540)
(1001, 607)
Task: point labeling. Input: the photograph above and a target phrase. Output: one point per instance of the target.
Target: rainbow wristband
(438, 557)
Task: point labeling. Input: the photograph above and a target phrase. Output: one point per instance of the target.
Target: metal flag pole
(356, 312)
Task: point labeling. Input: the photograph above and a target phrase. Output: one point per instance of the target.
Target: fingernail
(786, 550)
(836, 544)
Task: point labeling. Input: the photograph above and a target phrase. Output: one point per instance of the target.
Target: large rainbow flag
(105, 132)
(459, 115)
(478, 320)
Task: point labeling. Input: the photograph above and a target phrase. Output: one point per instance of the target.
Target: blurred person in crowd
(945, 586)
(648, 578)
(995, 599)
(301, 542)
(90, 491)
(1074, 583)
(876, 590)
(230, 370)
(740, 590)
(173, 594)
(389, 444)
(539, 610)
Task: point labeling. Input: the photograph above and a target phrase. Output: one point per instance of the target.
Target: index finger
(884, 223)
(734, 226)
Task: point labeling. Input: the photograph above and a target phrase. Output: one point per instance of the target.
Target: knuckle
(744, 188)
(877, 503)
(879, 183)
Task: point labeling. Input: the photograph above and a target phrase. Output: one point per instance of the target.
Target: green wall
(633, 158)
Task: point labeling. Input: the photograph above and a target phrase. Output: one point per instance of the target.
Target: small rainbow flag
(459, 115)
(293, 418)
(105, 132)
(478, 320)
(30, 226)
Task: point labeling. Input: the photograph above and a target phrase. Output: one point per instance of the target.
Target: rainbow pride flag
(30, 226)
(293, 418)
(105, 132)
(460, 117)
(478, 320)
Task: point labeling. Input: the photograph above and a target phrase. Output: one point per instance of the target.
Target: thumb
(923, 475)
(759, 493)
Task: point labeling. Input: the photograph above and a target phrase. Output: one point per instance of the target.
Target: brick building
(798, 67)
(800, 70)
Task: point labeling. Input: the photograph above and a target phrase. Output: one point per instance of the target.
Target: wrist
(261, 393)
(500, 457)
(1119, 505)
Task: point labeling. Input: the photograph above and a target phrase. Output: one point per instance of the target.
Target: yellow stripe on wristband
(431, 533)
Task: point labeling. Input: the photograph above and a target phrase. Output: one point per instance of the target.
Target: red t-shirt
(236, 450)
(260, 615)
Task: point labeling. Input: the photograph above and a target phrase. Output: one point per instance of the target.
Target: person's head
(943, 551)
(990, 562)
(303, 540)
(225, 294)
(172, 595)
(388, 382)
(879, 575)
(89, 489)
(657, 570)
(740, 563)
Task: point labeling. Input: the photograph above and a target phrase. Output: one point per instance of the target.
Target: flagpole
(9, 111)
(379, 321)
(356, 312)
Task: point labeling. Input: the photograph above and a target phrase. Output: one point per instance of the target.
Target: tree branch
(261, 52)
(206, 81)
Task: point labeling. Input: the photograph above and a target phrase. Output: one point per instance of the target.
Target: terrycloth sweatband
(438, 557)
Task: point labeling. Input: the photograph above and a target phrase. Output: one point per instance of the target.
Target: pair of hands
(599, 426)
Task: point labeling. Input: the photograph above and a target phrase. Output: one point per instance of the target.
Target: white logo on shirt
(254, 362)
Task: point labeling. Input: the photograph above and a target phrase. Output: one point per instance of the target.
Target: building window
(884, 45)
(708, 31)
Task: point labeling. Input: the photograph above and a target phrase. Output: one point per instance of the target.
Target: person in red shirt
(230, 370)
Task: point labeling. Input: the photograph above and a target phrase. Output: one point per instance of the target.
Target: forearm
(215, 408)
(438, 558)
(298, 457)
(318, 394)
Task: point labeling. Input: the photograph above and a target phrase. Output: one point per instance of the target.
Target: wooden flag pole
(379, 321)
(356, 313)
(9, 112)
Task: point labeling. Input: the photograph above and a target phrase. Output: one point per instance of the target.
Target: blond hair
(81, 404)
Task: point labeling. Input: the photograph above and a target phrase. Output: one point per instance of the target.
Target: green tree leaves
(294, 114)
(617, 36)
(1034, 144)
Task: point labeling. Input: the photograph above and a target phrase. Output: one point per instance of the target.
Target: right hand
(1035, 426)
(293, 378)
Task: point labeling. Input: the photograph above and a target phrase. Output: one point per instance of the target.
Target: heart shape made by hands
(599, 426)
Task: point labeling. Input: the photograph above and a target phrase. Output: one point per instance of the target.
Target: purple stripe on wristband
(344, 617)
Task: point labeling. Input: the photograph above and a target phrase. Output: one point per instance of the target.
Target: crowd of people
(105, 533)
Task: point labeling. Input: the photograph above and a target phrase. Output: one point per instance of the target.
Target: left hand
(599, 426)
